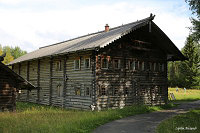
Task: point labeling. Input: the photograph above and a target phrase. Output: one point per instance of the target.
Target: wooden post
(38, 81)
(19, 69)
(94, 94)
(64, 80)
(27, 77)
(50, 80)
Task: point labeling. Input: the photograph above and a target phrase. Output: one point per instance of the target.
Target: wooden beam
(50, 81)
(94, 93)
(38, 81)
(27, 77)
(64, 80)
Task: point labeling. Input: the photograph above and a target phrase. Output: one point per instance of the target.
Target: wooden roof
(101, 39)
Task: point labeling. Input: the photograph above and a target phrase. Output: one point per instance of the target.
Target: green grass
(32, 118)
(183, 123)
(182, 96)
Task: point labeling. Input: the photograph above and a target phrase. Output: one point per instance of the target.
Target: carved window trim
(116, 63)
(59, 89)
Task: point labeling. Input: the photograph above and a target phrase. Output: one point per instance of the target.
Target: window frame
(102, 63)
(85, 63)
(59, 90)
(58, 65)
(119, 63)
(75, 64)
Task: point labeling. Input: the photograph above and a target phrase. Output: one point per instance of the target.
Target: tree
(189, 70)
(17, 52)
(1, 50)
(195, 8)
(8, 57)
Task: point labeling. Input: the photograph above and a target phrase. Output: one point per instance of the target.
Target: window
(150, 66)
(154, 66)
(104, 63)
(87, 63)
(163, 67)
(77, 64)
(136, 65)
(132, 65)
(77, 91)
(59, 90)
(116, 91)
(116, 63)
(58, 65)
(126, 91)
(102, 91)
(87, 91)
(143, 66)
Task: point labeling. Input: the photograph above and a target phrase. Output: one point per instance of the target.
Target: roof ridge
(148, 18)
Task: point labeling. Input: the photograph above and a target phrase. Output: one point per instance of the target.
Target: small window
(126, 91)
(132, 65)
(87, 63)
(116, 63)
(58, 65)
(87, 93)
(77, 91)
(154, 66)
(143, 66)
(59, 90)
(102, 91)
(116, 91)
(136, 65)
(77, 64)
(150, 66)
(163, 67)
(104, 63)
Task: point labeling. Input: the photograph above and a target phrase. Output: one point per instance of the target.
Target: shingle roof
(90, 41)
(22, 83)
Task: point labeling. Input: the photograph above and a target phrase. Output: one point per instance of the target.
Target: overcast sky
(31, 24)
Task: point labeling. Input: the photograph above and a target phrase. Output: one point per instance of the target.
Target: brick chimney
(106, 28)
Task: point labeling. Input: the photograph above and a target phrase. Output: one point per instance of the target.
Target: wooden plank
(50, 80)
(28, 69)
(38, 81)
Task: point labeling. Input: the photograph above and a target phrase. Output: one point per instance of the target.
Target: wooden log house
(10, 84)
(112, 68)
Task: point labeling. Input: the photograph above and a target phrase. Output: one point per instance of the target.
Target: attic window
(77, 64)
(104, 63)
(87, 63)
(58, 65)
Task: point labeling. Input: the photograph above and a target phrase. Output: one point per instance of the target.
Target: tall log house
(116, 67)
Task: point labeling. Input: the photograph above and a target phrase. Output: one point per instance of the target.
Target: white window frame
(58, 65)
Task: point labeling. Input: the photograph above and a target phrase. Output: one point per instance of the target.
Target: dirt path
(144, 123)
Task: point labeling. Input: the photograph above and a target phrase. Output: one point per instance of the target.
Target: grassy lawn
(182, 96)
(184, 123)
(31, 118)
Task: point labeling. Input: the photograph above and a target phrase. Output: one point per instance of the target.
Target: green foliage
(195, 8)
(11, 53)
(186, 73)
(184, 123)
(37, 118)
(189, 68)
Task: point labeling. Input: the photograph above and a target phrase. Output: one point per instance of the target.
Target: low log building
(112, 68)
(10, 84)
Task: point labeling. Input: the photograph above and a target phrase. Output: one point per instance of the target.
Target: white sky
(31, 24)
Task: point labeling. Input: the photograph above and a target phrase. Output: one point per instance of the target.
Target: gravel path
(144, 123)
